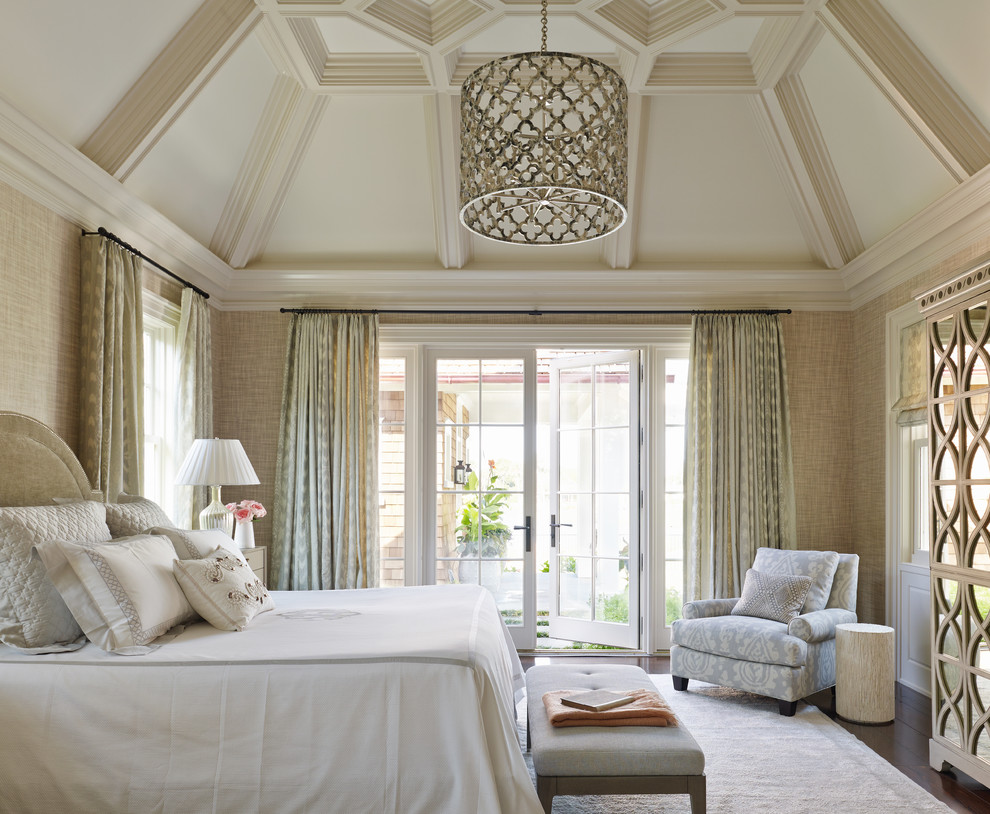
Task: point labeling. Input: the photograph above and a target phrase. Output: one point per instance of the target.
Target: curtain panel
(325, 532)
(739, 476)
(111, 390)
(194, 397)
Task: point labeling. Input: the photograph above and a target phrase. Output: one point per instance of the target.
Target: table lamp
(216, 462)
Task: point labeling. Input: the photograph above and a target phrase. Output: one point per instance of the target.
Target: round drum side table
(864, 673)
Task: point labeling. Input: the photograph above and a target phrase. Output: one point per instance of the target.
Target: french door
(595, 560)
(481, 462)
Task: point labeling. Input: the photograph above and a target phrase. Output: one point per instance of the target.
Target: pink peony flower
(257, 508)
(243, 515)
(231, 507)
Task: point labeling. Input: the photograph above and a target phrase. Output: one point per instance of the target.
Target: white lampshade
(216, 462)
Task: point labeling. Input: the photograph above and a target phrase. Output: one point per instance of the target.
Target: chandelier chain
(543, 19)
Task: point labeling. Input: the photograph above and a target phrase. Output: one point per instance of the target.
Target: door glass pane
(576, 537)
(575, 460)
(575, 586)
(612, 525)
(575, 398)
(458, 391)
(502, 391)
(612, 460)
(612, 395)
(612, 591)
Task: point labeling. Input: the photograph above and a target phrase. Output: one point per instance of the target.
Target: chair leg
(787, 708)
(680, 683)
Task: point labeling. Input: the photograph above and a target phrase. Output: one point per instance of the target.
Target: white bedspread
(389, 700)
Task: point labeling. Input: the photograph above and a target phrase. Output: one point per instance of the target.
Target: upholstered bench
(608, 760)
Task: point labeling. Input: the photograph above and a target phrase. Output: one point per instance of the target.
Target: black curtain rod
(110, 236)
(533, 313)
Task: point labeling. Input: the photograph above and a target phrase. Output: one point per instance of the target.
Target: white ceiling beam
(902, 73)
(443, 122)
(798, 183)
(619, 248)
(170, 83)
(533, 288)
(285, 131)
(810, 143)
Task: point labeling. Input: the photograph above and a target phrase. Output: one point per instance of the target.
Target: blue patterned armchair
(786, 661)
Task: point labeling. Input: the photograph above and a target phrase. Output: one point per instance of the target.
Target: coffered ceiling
(797, 153)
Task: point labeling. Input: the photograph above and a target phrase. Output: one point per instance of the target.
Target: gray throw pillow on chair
(819, 565)
(778, 597)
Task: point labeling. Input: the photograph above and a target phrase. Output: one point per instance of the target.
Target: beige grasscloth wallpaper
(835, 371)
(39, 329)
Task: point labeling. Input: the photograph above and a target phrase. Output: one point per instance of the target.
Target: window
(392, 470)
(161, 324)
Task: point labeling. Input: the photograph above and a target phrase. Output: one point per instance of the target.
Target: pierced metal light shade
(543, 149)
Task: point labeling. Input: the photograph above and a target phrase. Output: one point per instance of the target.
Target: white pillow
(223, 589)
(132, 514)
(199, 543)
(122, 593)
(33, 616)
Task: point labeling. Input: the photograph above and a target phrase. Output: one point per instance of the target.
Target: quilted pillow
(33, 616)
(778, 597)
(223, 589)
(819, 565)
(194, 545)
(134, 515)
(122, 592)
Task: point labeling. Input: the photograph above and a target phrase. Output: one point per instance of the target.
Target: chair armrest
(703, 608)
(819, 626)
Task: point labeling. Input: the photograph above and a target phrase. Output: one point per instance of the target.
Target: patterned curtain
(739, 476)
(195, 398)
(111, 392)
(325, 530)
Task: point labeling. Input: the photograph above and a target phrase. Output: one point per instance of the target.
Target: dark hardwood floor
(903, 743)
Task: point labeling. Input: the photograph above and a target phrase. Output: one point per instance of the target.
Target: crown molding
(72, 186)
(709, 72)
(955, 222)
(444, 122)
(537, 288)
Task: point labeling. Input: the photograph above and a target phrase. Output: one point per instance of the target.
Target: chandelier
(543, 148)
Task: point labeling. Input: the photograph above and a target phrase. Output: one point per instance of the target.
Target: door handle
(528, 528)
(554, 525)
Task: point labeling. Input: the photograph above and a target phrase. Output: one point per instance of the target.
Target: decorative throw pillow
(122, 593)
(199, 543)
(772, 596)
(223, 589)
(33, 616)
(134, 515)
(819, 565)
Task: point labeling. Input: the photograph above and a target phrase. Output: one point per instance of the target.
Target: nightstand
(257, 558)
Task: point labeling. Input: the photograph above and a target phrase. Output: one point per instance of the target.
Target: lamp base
(216, 515)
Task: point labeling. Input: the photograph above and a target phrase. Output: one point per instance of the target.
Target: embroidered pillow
(194, 545)
(223, 589)
(33, 616)
(122, 593)
(772, 596)
(134, 515)
(819, 565)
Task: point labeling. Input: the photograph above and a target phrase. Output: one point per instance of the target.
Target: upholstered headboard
(36, 465)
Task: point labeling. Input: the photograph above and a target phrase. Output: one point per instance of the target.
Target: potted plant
(481, 531)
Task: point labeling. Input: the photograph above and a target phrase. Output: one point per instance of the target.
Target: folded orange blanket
(647, 709)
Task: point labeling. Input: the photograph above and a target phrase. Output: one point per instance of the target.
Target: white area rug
(758, 761)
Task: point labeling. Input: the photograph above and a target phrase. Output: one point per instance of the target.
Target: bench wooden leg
(680, 683)
(697, 790)
(546, 788)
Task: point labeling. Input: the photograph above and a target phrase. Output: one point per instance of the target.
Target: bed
(386, 700)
